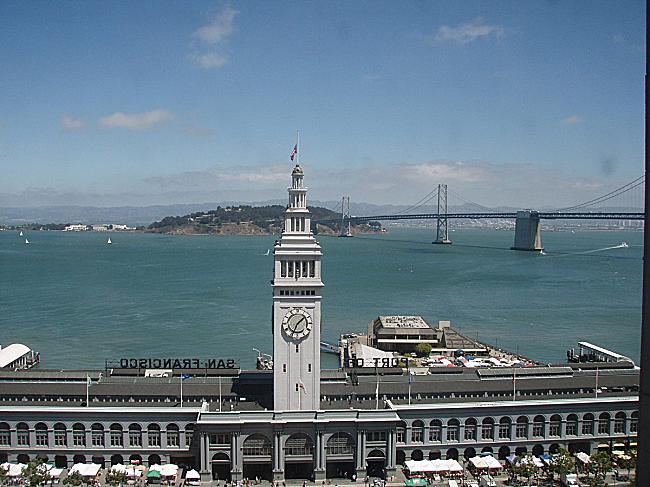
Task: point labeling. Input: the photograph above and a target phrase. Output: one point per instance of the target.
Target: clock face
(297, 323)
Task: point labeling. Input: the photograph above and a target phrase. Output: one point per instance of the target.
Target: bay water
(79, 301)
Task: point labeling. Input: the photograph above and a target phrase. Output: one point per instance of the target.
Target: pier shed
(18, 356)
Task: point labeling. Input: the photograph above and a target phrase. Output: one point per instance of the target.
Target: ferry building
(297, 421)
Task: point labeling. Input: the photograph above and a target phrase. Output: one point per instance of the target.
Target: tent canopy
(416, 482)
(193, 475)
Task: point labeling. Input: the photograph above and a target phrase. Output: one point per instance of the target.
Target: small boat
(108, 242)
(268, 251)
(624, 244)
(21, 233)
(26, 241)
(329, 348)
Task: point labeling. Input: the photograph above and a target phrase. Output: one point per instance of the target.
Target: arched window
(340, 444)
(619, 422)
(116, 435)
(521, 428)
(572, 425)
(470, 429)
(453, 426)
(257, 445)
(555, 425)
(135, 434)
(487, 429)
(634, 421)
(97, 435)
(435, 431)
(603, 423)
(298, 444)
(60, 435)
(22, 434)
(153, 435)
(41, 434)
(173, 436)
(78, 435)
(538, 426)
(189, 433)
(505, 427)
(417, 431)
(5, 435)
(588, 424)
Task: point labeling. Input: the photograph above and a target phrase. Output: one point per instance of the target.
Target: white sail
(109, 241)
(26, 241)
(21, 233)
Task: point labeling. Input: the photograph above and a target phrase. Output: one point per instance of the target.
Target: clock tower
(296, 306)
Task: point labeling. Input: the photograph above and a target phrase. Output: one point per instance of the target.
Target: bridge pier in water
(528, 234)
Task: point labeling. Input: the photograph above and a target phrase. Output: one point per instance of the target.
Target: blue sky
(156, 102)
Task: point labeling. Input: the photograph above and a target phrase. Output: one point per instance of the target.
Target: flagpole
(377, 389)
(596, 382)
(514, 384)
(87, 393)
(219, 393)
(181, 390)
(298, 147)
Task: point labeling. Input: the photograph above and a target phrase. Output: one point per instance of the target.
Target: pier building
(302, 422)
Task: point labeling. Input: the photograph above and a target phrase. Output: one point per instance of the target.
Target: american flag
(294, 152)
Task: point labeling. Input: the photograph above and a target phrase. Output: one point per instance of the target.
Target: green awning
(153, 474)
(416, 482)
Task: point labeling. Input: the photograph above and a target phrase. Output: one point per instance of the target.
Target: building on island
(300, 422)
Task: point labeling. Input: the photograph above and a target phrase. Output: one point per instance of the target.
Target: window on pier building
(189, 434)
(97, 435)
(342, 443)
(153, 435)
(521, 428)
(41, 434)
(60, 435)
(78, 435)
(505, 425)
(5, 435)
(417, 431)
(435, 430)
(470, 429)
(634, 422)
(619, 422)
(555, 425)
(220, 439)
(487, 429)
(135, 435)
(298, 444)
(538, 426)
(572, 425)
(283, 268)
(22, 434)
(375, 436)
(116, 435)
(603, 424)
(400, 432)
(453, 427)
(588, 424)
(257, 445)
(173, 436)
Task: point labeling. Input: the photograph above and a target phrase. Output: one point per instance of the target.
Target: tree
(3, 475)
(600, 464)
(526, 467)
(115, 477)
(75, 479)
(35, 473)
(423, 349)
(561, 463)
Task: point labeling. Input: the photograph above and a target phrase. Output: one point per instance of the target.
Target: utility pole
(442, 229)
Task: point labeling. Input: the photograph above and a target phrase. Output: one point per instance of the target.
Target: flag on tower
(302, 386)
(294, 152)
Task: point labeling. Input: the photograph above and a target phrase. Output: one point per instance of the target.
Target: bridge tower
(528, 234)
(345, 217)
(442, 229)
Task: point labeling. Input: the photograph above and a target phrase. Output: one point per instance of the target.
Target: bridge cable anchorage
(442, 229)
(608, 196)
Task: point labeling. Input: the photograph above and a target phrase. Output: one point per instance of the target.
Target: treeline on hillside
(267, 218)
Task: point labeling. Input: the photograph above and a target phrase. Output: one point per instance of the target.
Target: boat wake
(622, 245)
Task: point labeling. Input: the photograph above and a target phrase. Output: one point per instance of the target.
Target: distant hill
(247, 220)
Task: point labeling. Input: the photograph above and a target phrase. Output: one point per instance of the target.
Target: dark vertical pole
(643, 447)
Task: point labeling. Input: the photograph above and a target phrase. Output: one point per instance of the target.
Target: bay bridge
(527, 222)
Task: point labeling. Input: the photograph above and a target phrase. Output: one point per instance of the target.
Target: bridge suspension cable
(606, 197)
(423, 201)
(469, 202)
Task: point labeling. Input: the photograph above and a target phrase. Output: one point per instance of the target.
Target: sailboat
(268, 251)
(21, 233)
(109, 241)
(26, 241)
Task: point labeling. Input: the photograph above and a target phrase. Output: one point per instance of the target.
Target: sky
(112, 103)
